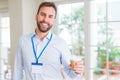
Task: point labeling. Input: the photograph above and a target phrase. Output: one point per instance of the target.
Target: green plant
(108, 54)
(74, 25)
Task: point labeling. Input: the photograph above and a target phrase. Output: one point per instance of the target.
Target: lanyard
(33, 46)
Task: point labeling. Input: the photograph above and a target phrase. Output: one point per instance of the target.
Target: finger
(79, 69)
(79, 63)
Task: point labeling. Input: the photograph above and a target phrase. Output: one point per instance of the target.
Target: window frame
(88, 69)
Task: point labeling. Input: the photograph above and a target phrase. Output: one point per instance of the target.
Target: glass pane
(114, 31)
(97, 10)
(64, 33)
(102, 75)
(93, 58)
(98, 34)
(114, 74)
(5, 23)
(71, 13)
(5, 68)
(64, 12)
(71, 26)
(77, 13)
(5, 32)
(114, 58)
(5, 37)
(113, 10)
(98, 58)
(99, 75)
(74, 35)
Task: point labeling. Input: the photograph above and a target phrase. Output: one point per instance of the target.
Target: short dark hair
(48, 4)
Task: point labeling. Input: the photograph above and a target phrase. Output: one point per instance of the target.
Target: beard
(40, 27)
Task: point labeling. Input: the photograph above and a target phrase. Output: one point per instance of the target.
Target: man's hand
(77, 66)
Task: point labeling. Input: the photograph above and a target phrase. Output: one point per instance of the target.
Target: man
(41, 54)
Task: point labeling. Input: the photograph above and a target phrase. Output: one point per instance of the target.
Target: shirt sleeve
(18, 63)
(66, 56)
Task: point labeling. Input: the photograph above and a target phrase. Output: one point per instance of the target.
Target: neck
(41, 35)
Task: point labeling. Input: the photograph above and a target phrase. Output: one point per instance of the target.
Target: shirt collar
(47, 37)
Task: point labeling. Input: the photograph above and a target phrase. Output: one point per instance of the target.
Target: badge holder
(37, 67)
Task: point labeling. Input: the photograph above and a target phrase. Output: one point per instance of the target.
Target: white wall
(29, 9)
(15, 10)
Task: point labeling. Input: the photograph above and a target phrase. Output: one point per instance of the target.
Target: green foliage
(107, 48)
(74, 23)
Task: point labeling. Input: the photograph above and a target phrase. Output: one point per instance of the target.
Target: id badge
(37, 68)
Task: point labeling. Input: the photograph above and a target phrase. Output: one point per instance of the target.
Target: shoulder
(58, 41)
(56, 38)
(25, 38)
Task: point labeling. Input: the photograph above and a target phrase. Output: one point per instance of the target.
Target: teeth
(44, 24)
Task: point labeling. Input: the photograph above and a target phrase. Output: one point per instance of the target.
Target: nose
(46, 19)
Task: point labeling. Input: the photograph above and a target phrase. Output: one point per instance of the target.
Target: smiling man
(41, 54)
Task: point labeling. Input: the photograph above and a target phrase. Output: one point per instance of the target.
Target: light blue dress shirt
(56, 54)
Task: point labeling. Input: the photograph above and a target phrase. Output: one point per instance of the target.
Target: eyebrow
(43, 13)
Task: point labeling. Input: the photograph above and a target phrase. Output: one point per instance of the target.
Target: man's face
(45, 18)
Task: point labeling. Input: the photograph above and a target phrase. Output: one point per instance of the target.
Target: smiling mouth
(44, 24)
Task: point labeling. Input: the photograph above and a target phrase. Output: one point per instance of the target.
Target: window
(4, 46)
(5, 32)
(104, 42)
(71, 26)
(91, 29)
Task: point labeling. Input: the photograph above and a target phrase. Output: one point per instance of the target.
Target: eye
(51, 16)
(42, 14)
